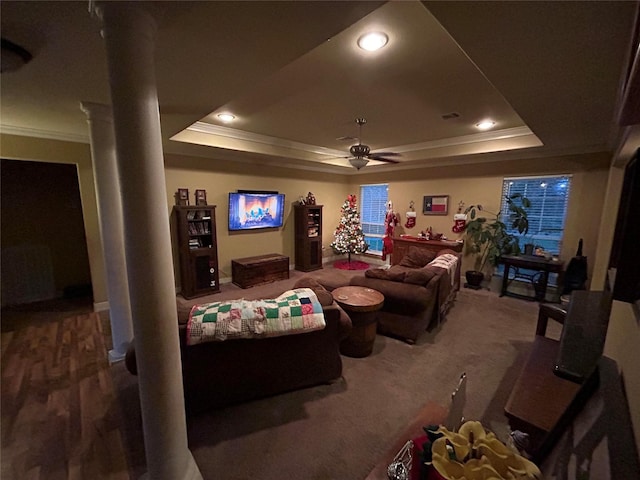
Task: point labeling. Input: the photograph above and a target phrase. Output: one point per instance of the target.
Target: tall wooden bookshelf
(197, 246)
(308, 241)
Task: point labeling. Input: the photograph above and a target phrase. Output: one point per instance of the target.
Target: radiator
(27, 274)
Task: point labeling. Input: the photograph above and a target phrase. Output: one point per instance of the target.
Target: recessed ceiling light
(372, 41)
(485, 124)
(226, 117)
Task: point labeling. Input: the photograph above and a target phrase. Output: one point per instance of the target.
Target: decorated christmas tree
(348, 235)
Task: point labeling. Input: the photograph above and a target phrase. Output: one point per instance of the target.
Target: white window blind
(549, 198)
(373, 209)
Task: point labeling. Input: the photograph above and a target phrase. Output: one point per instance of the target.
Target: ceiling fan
(361, 153)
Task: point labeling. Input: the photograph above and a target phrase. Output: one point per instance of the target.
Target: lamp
(358, 162)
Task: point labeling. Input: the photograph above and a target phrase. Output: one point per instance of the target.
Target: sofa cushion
(417, 257)
(332, 278)
(420, 276)
(395, 273)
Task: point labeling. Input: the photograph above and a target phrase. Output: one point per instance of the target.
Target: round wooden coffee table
(362, 305)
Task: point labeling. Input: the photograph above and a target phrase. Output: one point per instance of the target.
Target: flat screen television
(253, 210)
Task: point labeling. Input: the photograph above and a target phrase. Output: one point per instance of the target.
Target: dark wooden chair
(547, 311)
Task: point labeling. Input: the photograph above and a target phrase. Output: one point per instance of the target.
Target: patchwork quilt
(295, 311)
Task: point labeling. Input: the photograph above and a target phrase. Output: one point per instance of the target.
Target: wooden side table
(361, 304)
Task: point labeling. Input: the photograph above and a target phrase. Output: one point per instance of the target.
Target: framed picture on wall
(201, 197)
(435, 205)
(182, 196)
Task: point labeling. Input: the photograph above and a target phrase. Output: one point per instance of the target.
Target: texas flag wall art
(435, 205)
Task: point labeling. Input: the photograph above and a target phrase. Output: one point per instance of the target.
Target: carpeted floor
(339, 431)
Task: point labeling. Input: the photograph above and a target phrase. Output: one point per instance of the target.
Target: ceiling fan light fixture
(358, 162)
(359, 150)
(226, 117)
(373, 41)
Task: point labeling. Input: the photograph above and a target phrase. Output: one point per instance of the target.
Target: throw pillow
(324, 296)
(417, 257)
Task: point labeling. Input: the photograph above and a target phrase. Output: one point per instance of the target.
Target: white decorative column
(105, 169)
(129, 34)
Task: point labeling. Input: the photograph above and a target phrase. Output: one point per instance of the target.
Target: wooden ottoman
(362, 305)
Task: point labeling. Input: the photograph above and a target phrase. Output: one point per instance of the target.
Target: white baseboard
(100, 306)
(115, 356)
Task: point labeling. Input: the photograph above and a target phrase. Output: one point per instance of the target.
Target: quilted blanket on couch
(295, 311)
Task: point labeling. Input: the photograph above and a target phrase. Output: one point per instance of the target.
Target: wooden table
(361, 304)
(529, 262)
(431, 414)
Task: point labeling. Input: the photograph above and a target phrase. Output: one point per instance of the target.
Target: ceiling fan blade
(387, 154)
(381, 159)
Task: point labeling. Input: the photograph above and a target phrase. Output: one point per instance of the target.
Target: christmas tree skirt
(350, 265)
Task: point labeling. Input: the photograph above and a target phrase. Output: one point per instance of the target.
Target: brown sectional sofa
(416, 295)
(216, 374)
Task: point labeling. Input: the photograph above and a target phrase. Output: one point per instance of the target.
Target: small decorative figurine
(311, 199)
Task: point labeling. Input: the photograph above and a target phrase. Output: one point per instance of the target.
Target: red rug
(350, 265)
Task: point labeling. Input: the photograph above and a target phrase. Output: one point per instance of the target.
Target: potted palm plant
(487, 237)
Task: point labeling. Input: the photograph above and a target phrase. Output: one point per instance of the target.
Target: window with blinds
(549, 197)
(373, 208)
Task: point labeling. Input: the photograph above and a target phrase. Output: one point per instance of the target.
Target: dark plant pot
(528, 248)
(474, 278)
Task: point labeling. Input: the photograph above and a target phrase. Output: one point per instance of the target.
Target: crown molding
(39, 133)
(207, 128)
(464, 140)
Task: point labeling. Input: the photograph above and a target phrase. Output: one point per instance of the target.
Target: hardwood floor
(61, 418)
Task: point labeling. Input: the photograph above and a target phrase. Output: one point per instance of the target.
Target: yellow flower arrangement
(475, 454)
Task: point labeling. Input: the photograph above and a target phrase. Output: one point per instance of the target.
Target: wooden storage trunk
(250, 271)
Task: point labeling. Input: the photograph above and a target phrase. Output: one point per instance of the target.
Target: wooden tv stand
(250, 271)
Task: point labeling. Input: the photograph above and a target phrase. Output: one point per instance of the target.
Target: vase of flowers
(472, 453)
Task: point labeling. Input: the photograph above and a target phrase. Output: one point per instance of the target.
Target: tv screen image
(248, 211)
